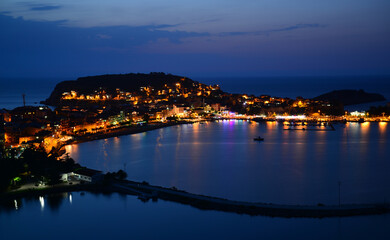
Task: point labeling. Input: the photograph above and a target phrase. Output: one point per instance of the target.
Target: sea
(221, 159)
(349, 166)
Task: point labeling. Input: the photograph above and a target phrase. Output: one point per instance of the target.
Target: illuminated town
(100, 113)
(194, 120)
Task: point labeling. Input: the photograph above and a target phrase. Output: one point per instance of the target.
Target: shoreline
(145, 191)
(34, 192)
(120, 132)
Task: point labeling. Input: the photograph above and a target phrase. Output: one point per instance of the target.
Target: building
(175, 111)
(84, 175)
(32, 113)
(5, 116)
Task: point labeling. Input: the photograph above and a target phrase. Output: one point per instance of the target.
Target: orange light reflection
(382, 127)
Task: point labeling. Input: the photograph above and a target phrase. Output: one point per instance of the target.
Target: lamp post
(339, 193)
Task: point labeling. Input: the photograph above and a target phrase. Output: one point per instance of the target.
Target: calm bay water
(221, 159)
(89, 216)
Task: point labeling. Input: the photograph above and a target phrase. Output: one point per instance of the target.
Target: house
(5, 116)
(83, 174)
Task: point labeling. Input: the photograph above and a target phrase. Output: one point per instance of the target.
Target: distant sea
(36, 90)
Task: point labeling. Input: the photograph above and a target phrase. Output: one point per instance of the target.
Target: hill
(132, 82)
(350, 97)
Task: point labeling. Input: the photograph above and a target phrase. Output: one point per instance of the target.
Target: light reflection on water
(113, 216)
(221, 159)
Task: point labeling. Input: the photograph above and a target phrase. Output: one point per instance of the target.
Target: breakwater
(145, 191)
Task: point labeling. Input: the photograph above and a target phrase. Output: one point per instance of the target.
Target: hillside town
(80, 115)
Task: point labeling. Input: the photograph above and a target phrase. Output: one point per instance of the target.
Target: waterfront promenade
(122, 131)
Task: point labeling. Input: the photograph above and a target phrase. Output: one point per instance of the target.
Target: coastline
(120, 132)
(145, 192)
(60, 188)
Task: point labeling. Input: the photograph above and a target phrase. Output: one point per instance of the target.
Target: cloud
(44, 8)
(53, 36)
(103, 36)
(269, 31)
(295, 27)
(164, 26)
(51, 46)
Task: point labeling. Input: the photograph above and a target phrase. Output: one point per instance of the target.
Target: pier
(146, 191)
(305, 127)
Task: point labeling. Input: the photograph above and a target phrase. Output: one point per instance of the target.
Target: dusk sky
(69, 38)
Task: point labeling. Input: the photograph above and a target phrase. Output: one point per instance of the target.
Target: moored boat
(258, 139)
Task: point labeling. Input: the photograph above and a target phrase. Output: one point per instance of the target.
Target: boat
(258, 139)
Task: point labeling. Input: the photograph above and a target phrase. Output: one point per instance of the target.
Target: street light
(339, 182)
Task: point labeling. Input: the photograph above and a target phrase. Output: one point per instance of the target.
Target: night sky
(72, 38)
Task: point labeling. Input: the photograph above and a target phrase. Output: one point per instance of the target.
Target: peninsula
(103, 106)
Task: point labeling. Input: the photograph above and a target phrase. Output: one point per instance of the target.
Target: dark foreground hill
(350, 97)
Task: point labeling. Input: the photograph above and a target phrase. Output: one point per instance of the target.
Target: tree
(9, 169)
(172, 118)
(121, 175)
(146, 117)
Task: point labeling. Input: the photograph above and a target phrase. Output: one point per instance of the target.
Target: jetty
(146, 191)
(304, 128)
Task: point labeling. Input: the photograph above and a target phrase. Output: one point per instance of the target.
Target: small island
(350, 97)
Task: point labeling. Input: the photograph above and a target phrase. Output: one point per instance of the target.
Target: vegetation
(172, 118)
(33, 165)
(350, 97)
(379, 111)
(120, 175)
(146, 117)
(131, 82)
